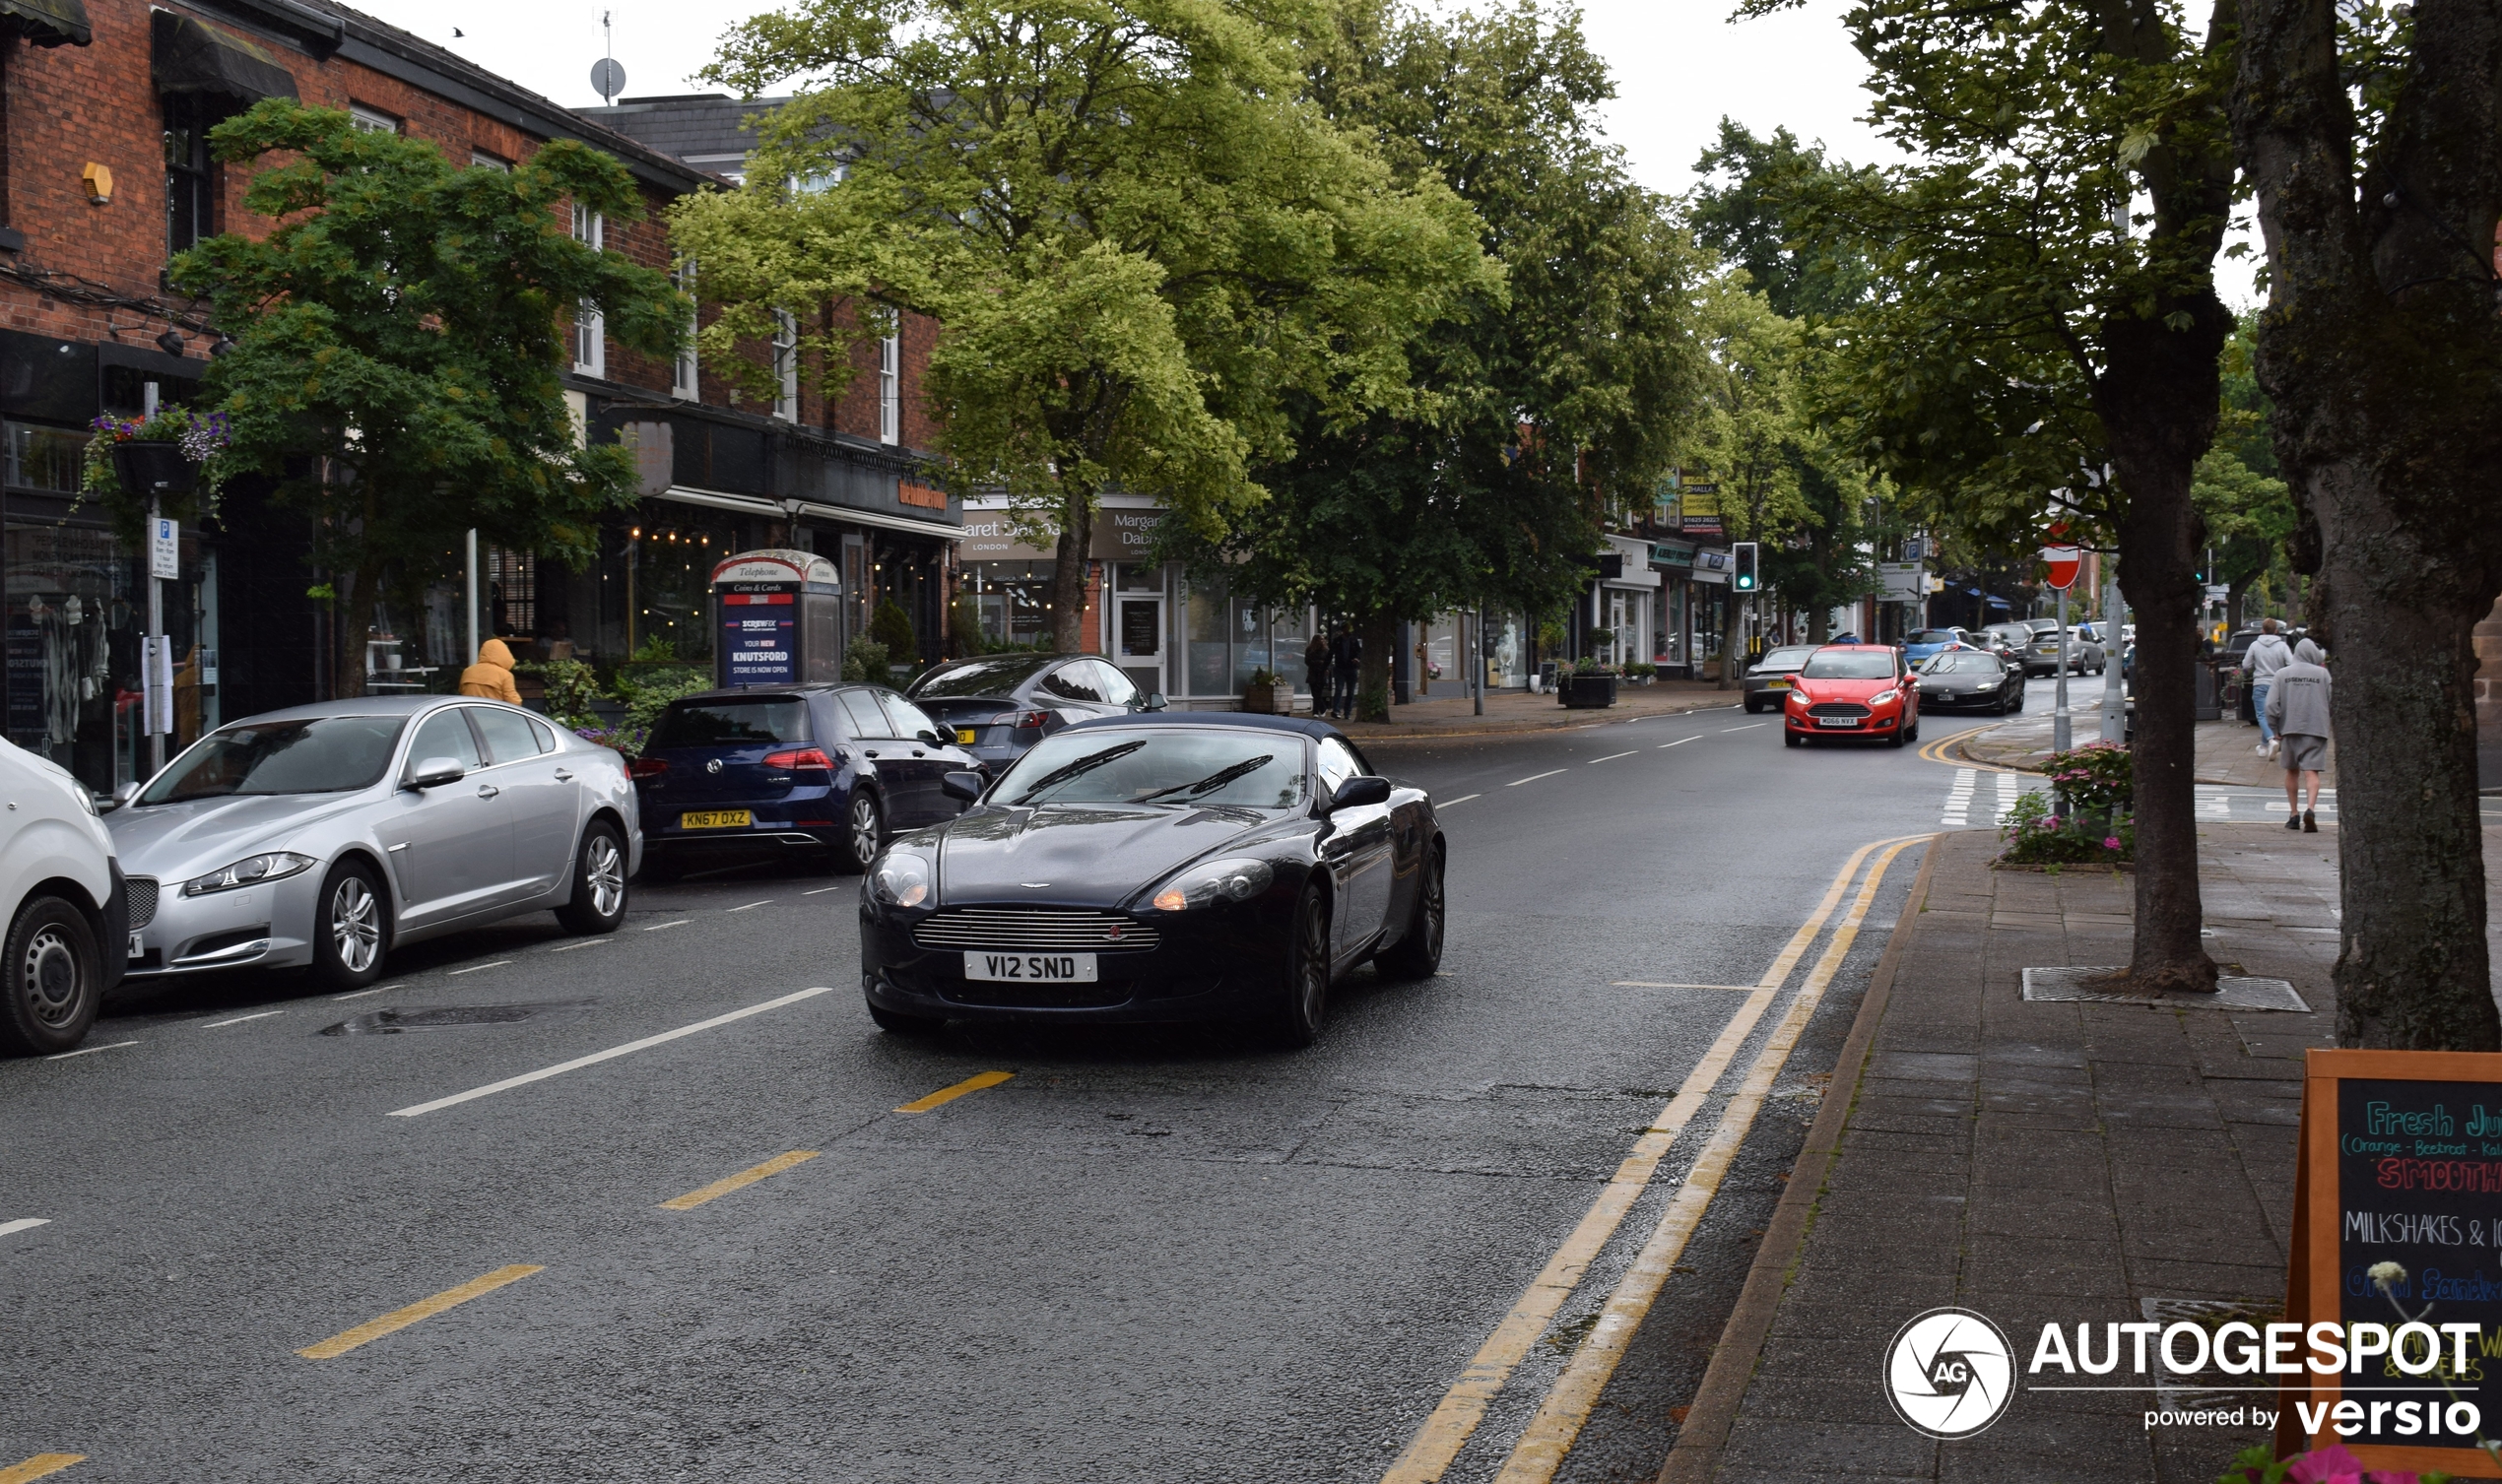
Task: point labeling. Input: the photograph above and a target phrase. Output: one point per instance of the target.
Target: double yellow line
(1550, 1434)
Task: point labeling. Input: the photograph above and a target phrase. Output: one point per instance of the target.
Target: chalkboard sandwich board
(2397, 1242)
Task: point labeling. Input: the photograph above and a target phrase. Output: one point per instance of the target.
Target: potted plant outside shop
(1261, 694)
(1588, 687)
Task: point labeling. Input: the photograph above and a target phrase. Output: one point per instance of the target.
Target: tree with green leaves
(2370, 134)
(1540, 397)
(398, 340)
(1144, 246)
(1752, 430)
(2043, 308)
(2248, 509)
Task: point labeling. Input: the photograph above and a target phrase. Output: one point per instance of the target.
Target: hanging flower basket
(150, 467)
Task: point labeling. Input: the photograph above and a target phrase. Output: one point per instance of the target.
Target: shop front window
(1012, 602)
(1206, 636)
(671, 592)
(77, 617)
(44, 458)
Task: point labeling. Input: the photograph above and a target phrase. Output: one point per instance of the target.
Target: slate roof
(707, 130)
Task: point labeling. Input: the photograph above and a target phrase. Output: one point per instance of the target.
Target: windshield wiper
(1084, 765)
(1212, 781)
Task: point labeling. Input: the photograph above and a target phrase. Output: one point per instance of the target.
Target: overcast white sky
(1678, 65)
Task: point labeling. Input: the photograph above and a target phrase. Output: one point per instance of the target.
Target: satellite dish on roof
(608, 77)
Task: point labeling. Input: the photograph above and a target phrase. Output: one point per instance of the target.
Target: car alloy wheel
(1419, 954)
(1306, 970)
(356, 924)
(604, 867)
(861, 830)
(598, 902)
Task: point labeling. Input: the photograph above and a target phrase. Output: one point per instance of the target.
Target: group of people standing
(2289, 694)
(1333, 662)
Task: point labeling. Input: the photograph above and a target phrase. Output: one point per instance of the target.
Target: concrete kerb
(1704, 1433)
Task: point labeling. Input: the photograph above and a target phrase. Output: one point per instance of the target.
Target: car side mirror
(963, 784)
(1357, 791)
(435, 772)
(1155, 701)
(124, 792)
(931, 739)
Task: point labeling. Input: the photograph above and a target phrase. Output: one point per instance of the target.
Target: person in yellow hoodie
(491, 675)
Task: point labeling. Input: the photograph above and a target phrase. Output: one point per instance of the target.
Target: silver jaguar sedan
(327, 834)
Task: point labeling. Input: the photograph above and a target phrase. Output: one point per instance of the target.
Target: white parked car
(67, 909)
(326, 835)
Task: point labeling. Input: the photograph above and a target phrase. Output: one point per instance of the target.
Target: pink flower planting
(2333, 1465)
(2111, 842)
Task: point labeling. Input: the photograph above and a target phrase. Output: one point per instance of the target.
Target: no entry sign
(2063, 563)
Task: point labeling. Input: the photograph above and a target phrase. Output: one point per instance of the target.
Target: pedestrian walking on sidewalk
(1346, 662)
(2298, 710)
(1316, 670)
(2268, 655)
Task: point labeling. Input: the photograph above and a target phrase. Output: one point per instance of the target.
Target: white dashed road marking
(1533, 778)
(88, 1051)
(240, 1019)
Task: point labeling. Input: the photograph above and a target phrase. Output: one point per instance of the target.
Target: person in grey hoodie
(2268, 655)
(2298, 709)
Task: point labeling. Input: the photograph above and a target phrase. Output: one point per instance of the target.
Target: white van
(67, 910)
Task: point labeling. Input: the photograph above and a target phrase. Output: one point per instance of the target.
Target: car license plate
(136, 951)
(1837, 721)
(1776, 684)
(1031, 968)
(715, 819)
(964, 737)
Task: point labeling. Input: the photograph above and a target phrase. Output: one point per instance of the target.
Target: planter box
(1269, 700)
(1582, 692)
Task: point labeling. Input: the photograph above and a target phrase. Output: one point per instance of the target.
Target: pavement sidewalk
(2036, 1162)
(1448, 713)
(2226, 750)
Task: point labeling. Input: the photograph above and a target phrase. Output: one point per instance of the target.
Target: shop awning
(46, 23)
(194, 58)
(717, 500)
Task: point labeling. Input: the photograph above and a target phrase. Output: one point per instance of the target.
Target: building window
(43, 458)
(890, 388)
(191, 175)
(590, 339)
(682, 377)
(373, 120)
(785, 365)
(481, 160)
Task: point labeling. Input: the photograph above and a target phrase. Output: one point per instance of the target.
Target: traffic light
(1743, 577)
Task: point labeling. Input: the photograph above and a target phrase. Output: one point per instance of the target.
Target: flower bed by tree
(2083, 819)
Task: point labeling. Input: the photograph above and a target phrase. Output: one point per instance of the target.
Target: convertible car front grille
(142, 892)
(1837, 708)
(1034, 929)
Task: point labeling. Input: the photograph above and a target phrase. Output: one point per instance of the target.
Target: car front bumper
(1224, 964)
(268, 925)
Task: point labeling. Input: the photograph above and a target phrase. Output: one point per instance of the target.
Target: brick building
(104, 174)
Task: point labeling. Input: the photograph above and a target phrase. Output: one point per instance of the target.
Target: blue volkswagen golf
(819, 771)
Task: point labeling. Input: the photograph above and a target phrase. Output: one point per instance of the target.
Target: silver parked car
(324, 835)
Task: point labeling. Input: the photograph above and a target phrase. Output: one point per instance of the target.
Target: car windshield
(731, 724)
(1784, 659)
(1962, 660)
(314, 755)
(1261, 769)
(1850, 665)
(1935, 636)
(993, 676)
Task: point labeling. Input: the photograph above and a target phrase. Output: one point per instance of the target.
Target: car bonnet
(179, 841)
(1090, 854)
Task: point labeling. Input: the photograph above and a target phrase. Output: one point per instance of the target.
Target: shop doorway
(1139, 640)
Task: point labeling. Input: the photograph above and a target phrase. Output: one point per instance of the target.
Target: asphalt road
(1148, 1254)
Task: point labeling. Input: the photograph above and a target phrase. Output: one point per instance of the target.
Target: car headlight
(251, 871)
(1884, 697)
(1231, 880)
(901, 879)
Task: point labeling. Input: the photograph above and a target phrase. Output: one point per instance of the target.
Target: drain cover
(392, 1022)
(2231, 993)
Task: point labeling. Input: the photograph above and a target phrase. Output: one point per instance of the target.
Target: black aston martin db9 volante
(1174, 867)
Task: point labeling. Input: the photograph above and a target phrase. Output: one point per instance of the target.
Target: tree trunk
(1380, 633)
(2158, 402)
(355, 591)
(1068, 571)
(2380, 352)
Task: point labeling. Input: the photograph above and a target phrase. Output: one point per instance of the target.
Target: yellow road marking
(739, 1181)
(1936, 751)
(950, 1094)
(1463, 1405)
(38, 1466)
(400, 1319)
(1550, 1434)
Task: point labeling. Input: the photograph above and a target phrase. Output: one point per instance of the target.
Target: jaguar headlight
(901, 879)
(251, 871)
(1231, 880)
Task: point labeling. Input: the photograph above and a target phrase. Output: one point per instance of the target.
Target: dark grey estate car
(998, 706)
